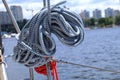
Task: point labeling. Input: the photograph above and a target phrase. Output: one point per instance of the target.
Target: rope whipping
(36, 45)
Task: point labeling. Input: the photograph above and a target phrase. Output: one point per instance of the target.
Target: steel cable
(36, 45)
(88, 66)
(80, 65)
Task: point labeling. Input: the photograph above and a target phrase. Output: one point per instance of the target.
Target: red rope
(42, 70)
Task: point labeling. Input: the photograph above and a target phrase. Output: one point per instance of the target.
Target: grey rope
(36, 46)
(44, 3)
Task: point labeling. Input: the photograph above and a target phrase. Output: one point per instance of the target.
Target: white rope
(36, 46)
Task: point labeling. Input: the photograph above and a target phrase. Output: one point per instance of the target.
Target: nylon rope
(36, 45)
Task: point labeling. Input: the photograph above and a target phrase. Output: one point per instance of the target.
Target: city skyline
(96, 13)
(74, 5)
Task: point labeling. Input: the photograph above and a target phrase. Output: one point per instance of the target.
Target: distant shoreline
(87, 28)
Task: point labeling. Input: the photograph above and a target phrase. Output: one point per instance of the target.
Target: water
(101, 48)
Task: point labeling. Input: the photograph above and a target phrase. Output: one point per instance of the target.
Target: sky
(74, 5)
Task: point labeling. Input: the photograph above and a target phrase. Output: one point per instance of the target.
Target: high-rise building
(85, 14)
(97, 14)
(17, 12)
(109, 12)
(4, 18)
(5, 21)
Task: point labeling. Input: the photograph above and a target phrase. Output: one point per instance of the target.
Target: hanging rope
(36, 45)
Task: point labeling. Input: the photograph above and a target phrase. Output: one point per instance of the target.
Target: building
(17, 12)
(116, 12)
(97, 14)
(85, 14)
(109, 12)
(5, 21)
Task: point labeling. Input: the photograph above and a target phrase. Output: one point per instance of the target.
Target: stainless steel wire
(36, 45)
(87, 66)
(80, 65)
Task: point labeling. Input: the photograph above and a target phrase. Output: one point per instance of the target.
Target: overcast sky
(75, 5)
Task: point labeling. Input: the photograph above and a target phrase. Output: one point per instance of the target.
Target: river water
(100, 48)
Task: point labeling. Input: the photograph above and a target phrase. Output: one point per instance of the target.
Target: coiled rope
(36, 45)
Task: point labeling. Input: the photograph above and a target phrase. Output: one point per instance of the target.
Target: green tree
(86, 22)
(117, 20)
(89, 22)
(92, 21)
(101, 22)
(109, 21)
(22, 23)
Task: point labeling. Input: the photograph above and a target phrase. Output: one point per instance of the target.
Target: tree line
(90, 23)
(102, 22)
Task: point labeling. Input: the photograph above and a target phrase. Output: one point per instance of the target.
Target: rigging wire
(80, 65)
(87, 66)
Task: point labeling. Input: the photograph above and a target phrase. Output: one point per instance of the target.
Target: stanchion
(3, 75)
(49, 75)
(31, 73)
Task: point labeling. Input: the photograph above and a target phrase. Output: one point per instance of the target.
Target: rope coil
(36, 46)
